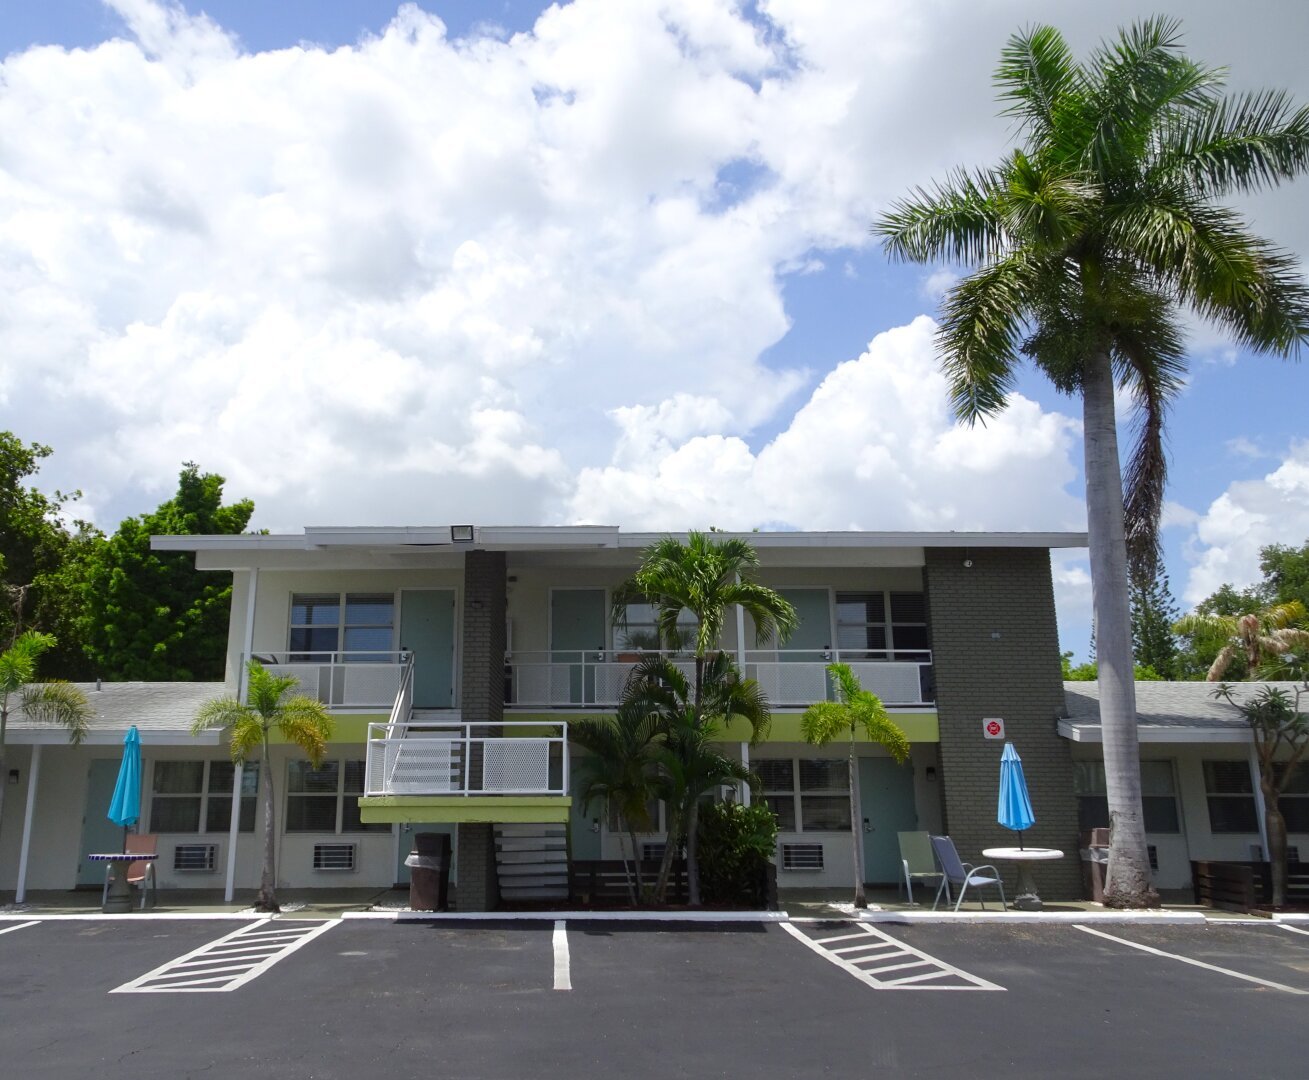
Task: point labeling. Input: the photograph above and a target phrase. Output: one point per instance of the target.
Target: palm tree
(704, 576)
(301, 721)
(1255, 637)
(1086, 240)
(58, 703)
(854, 710)
(691, 767)
(621, 772)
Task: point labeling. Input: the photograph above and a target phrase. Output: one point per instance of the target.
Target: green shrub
(736, 846)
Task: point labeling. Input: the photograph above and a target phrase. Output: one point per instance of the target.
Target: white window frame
(342, 622)
(797, 794)
(203, 796)
(340, 795)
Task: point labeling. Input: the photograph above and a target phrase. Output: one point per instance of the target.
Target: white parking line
(891, 954)
(19, 926)
(1292, 929)
(1194, 963)
(563, 973)
(229, 962)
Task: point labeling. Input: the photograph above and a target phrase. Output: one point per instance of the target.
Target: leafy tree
(1250, 640)
(302, 721)
(855, 710)
(1279, 727)
(1086, 241)
(58, 703)
(151, 614)
(1286, 573)
(1090, 671)
(1153, 613)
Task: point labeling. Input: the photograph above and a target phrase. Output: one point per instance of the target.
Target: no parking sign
(993, 728)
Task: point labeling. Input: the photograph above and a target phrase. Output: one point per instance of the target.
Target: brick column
(483, 684)
(479, 885)
(995, 652)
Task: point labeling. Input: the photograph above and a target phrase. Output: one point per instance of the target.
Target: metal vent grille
(195, 858)
(1154, 856)
(334, 856)
(652, 852)
(802, 856)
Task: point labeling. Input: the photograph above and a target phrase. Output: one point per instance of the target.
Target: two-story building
(454, 658)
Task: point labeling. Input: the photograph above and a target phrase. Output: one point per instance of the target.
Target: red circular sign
(993, 728)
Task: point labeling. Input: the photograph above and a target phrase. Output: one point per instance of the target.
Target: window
(1158, 796)
(1294, 802)
(326, 799)
(823, 793)
(641, 630)
(615, 825)
(184, 794)
(861, 625)
(355, 623)
(1229, 790)
(909, 626)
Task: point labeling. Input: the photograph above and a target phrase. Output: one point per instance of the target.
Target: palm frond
(18, 662)
(1036, 73)
(957, 221)
(245, 736)
(824, 721)
(59, 703)
(1222, 662)
(306, 723)
(223, 712)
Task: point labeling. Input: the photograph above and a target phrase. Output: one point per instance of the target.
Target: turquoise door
(578, 628)
(427, 629)
(813, 635)
(99, 834)
(584, 822)
(886, 796)
(407, 830)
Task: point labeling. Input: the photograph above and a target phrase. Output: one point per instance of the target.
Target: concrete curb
(1054, 917)
(136, 916)
(574, 916)
(1290, 918)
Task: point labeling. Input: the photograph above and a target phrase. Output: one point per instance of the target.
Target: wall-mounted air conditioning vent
(334, 856)
(802, 856)
(195, 858)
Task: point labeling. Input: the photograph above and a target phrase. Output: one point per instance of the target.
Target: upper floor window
(360, 623)
(641, 630)
(881, 626)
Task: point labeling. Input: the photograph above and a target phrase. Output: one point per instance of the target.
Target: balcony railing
(463, 759)
(789, 677)
(350, 680)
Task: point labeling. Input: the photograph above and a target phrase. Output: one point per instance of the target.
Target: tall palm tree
(302, 721)
(1255, 637)
(855, 710)
(1086, 241)
(706, 577)
(621, 772)
(58, 703)
(689, 763)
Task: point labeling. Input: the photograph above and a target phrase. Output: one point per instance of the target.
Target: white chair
(917, 861)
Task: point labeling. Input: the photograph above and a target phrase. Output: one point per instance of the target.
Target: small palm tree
(301, 721)
(58, 703)
(855, 710)
(1257, 637)
(621, 772)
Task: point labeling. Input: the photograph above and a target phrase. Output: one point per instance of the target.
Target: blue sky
(615, 268)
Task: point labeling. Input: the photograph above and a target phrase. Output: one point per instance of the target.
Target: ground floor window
(807, 794)
(1229, 791)
(1158, 796)
(196, 796)
(326, 799)
(653, 823)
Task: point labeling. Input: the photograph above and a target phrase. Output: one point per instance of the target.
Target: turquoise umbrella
(125, 806)
(1015, 809)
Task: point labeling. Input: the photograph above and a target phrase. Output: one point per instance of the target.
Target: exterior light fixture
(461, 534)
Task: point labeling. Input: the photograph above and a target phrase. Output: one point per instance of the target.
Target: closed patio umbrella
(125, 806)
(1015, 808)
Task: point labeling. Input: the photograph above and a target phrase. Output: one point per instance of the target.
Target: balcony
(791, 678)
(449, 758)
(367, 681)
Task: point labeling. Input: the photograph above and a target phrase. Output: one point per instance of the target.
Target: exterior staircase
(532, 862)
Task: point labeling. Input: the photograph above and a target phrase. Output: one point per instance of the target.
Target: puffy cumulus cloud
(874, 447)
(1224, 544)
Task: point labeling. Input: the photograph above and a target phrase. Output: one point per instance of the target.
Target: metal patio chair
(917, 861)
(138, 872)
(962, 875)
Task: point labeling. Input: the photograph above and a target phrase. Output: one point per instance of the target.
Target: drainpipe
(249, 645)
(33, 775)
(234, 822)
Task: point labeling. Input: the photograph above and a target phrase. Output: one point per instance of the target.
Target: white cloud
(936, 284)
(1243, 447)
(1249, 515)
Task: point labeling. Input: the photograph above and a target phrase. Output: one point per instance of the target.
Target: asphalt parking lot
(302, 998)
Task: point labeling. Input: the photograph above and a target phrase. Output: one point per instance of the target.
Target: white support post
(249, 646)
(29, 813)
(234, 831)
(745, 760)
(1259, 798)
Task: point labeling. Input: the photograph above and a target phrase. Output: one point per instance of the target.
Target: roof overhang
(111, 737)
(1081, 731)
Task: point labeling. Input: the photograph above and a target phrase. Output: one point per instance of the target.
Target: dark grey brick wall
(478, 888)
(995, 649)
(483, 689)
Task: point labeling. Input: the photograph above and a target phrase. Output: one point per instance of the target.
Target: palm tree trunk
(639, 894)
(1276, 826)
(670, 850)
(1128, 884)
(267, 900)
(856, 837)
(692, 867)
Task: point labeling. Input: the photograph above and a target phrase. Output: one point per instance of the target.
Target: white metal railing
(789, 677)
(448, 758)
(359, 680)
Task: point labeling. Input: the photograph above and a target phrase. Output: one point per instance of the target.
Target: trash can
(429, 872)
(1095, 860)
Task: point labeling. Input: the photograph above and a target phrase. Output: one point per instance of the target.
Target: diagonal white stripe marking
(864, 948)
(563, 972)
(878, 972)
(839, 937)
(1291, 929)
(1194, 963)
(869, 978)
(19, 926)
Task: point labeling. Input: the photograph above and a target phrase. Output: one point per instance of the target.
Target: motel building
(454, 659)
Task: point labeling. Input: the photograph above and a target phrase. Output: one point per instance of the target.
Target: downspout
(33, 775)
(234, 823)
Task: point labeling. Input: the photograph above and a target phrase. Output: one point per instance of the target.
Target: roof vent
(461, 534)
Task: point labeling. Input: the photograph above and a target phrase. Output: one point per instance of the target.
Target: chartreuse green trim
(501, 809)
(919, 727)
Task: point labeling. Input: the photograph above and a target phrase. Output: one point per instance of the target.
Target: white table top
(122, 856)
(1021, 854)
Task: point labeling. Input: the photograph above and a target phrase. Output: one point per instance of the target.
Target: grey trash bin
(429, 872)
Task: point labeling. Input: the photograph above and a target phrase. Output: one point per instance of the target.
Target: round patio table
(1027, 898)
(119, 897)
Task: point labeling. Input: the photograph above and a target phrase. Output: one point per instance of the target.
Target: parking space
(483, 999)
